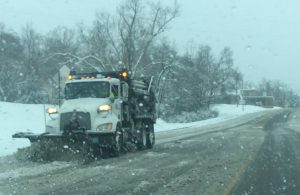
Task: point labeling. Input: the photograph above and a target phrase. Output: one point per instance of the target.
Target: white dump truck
(102, 111)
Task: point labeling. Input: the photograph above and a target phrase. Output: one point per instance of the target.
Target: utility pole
(59, 88)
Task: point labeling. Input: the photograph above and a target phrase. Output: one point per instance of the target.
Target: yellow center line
(236, 177)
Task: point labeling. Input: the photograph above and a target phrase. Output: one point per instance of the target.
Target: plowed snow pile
(30, 118)
(19, 118)
(226, 112)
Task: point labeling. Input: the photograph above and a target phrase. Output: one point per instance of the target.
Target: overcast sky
(263, 34)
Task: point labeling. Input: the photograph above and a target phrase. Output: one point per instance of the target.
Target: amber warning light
(69, 77)
(124, 74)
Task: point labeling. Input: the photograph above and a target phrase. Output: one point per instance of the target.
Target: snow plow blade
(50, 147)
(90, 144)
(35, 137)
(94, 138)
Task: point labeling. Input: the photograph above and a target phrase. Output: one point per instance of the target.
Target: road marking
(232, 183)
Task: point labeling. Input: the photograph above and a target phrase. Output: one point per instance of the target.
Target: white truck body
(102, 111)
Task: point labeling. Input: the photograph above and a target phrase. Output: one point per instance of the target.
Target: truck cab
(92, 105)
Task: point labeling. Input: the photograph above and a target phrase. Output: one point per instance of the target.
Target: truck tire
(150, 141)
(142, 142)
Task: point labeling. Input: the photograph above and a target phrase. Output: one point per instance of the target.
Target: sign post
(243, 103)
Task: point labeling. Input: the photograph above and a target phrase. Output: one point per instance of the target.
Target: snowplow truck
(102, 111)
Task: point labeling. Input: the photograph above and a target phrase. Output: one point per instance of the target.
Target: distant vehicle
(102, 111)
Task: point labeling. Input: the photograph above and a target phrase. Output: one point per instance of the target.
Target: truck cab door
(116, 101)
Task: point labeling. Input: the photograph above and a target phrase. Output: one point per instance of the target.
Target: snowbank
(19, 118)
(30, 118)
(226, 112)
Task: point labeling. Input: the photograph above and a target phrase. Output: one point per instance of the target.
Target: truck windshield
(94, 89)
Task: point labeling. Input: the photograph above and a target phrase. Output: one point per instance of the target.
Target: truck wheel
(150, 137)
(142, 142)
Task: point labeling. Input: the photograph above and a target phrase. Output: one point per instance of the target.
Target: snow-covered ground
(19, 118)
(226, 112)
(30, 118)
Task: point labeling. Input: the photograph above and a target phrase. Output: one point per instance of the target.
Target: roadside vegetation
(134, 37)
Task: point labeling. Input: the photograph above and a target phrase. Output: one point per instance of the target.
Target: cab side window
(115, 90)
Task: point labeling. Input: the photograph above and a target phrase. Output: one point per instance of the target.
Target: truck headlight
(104, 127)
(52, 110)
(105, 107)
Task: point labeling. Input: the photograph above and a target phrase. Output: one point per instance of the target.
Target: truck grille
(74, 121)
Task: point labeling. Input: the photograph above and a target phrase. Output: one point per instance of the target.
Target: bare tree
(138, 28)
(33, 54)
(127, 37)
(238, 79)
(10, 64)
(78, 61)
